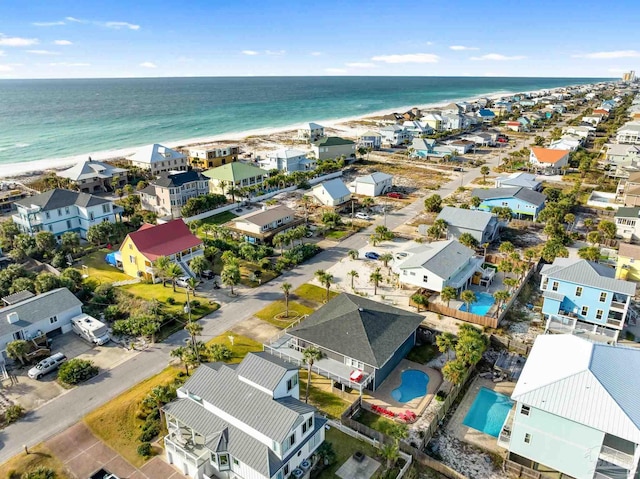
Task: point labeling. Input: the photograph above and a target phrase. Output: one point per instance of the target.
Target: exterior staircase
(187, 271)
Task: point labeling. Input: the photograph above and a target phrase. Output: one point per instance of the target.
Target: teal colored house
(523, 202)
(576, 410)
(583, 297)
(427, 148)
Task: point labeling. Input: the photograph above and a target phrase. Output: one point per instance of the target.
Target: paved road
(69, 408)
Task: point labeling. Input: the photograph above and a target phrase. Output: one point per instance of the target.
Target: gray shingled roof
(265, 217)
(469, 219)
(587, 273)
(171, 180)
(521, 193)
(264, 369)
(59, 198)
(633, 212)
(359, 328)
(37, 308)
(442, 258)
(18, 297)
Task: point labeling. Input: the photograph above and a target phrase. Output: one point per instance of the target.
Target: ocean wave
(17, 145)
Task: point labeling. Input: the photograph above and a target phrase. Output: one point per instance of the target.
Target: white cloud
(497, 57)
(408, 58)
(42, 52)
(47, 24)
(250, 52)
(5, 68)
(121, 25)
(62, 42)
(361, 65)
(148, 65)
(275, 52)
(2, 53)
(608, 55)
(17, 41)
(335, 70)
(460, 48)
(69, 64)
(316, 54)
(75, 20)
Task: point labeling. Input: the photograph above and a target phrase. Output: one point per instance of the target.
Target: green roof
(332, 141)
(235, 172)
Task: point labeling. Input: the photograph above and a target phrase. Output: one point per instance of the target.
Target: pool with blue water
(483, 304)
(414, 384)
(488, 412)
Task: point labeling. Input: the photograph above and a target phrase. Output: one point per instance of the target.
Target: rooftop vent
(13, 317)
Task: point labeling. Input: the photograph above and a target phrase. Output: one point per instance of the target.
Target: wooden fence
(595, 211)
(462, 315)
(518, 470)
(511, 344)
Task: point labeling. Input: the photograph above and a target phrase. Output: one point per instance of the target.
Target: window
(286, 469)
(214, 459)
(106, 208)
(91, 216)
(59, 212)
(292, 439)
(585, 310)
(425, 279)
(53, 319)
(527, 438)
(132, 259)
(304, 428)
(525, 410)
(68, 224)
(289, 384)
(310, 422)
(505, 204)
(603, 297)
(224, 462)
(599, 313)
(235, 462)
(66, 209)
(554, 286)
(46, 213)
(579, 291)
(545, 282)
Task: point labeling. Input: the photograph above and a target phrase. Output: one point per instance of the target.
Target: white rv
(89, 328)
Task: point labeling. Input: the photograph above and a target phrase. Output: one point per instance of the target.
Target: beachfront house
(583, 297)
(310, 132)
(169, 192)
(486, 115)
(242, 421)
(261, 226)
(417, 128)
(173, 239)
(436, 265)
(332, 147)
(158, 159)
(483, 226)
(375, 184)
(211, 156)
(629, 133)
(523, 202)
(370, 139)
(332, 193)
(628, 263)
(427, 148)
(434, 120)
(627, 221)
(395, 135)
(575, 412)
(91, 176)
(231, 177)
(287, 160)
(361, 340)
(61, 211)
(519, 179)
(27, 316)
(548, 160)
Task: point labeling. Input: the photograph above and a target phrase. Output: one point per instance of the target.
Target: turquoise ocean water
(42, 119)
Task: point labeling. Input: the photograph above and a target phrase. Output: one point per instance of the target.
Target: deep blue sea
(42, 119)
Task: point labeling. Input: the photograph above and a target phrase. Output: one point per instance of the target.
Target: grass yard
(374, 421)
(423, 354)
(148, 292)
(40, 456)
(314, 293)
(241, 345)
(99, 269)
(116, 422)
(215, 220)
(336, 235)
(296, 310)
(247, 269)
(345, 446)
(319, 396)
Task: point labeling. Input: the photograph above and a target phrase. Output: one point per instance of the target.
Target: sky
(144, 38)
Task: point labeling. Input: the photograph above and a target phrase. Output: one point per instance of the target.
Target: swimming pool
(481, 306)
(488, 412)
(413, 385)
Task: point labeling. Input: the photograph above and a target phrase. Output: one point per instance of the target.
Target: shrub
(13, 413)
(40, 473)
(171, 300)
(219, 352)
(150, 431)
(440, 396)
(195, 303)
(144, 449)
(76, 371)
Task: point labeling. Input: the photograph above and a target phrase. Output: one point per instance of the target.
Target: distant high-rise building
(629, 76)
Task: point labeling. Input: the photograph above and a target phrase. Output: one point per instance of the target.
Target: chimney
(13, 317)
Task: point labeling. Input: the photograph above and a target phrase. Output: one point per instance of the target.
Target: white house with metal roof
(370, 139)
(158, 159)
(287, 160)
(576, 410)
(242, 421)
(310, 132)
(519, 179)
(375, 184)
(331, 193)
(483, 226)
(95, 176)
(27, 316)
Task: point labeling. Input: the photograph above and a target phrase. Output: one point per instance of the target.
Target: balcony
(615, 323)
(180, 441)
(504, 438)
(618, 306)
(614, 456)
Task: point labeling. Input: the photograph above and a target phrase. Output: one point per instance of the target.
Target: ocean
(53, 119)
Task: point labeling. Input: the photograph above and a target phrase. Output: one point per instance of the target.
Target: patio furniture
(356, 376)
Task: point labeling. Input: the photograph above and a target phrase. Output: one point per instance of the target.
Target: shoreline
(29, 169)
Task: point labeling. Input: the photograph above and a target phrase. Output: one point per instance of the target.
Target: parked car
(396, 195)
(458, 168)
(362, 216)
(182, 281)
(46, 366)
(502, 140)
(401, 255)
(371, 255)
(207, 274)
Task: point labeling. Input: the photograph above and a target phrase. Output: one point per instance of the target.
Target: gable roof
(588, 273)
(360, 328)
(628, 212)
(236, 171)
(629, 250)
(519, 192)
(442, 258)
(155, 153)
(333, 141)
(264, 217)
(585, 382)
(486, 113)
(264, 369)
(171, 180)
(87, 169)
(622, 149)
(519, 179)
(469, 219)
(547, 155)
(59, 198)
(335, 188)
(369, 133)
(163, 240)
(286, 153)
(374, 178)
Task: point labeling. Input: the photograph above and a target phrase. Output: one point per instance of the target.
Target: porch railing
(616, 457)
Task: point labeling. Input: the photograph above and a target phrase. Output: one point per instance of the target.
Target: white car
(362, 216)
(182, 281)
(46, 366)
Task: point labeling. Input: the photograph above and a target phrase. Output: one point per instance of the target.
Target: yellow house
(141, 248)
(628, 266)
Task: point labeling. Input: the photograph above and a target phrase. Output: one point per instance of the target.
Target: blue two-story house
(523, 202)
(583, 297)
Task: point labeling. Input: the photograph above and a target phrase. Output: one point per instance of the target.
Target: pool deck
(468, 434)
(382, 396)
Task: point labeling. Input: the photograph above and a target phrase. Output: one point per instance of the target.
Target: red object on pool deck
(356, 376)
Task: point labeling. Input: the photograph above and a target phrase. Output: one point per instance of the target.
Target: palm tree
(354, 274)
(468, 297)
(506, 248)
(278, 241)
(310, 356)
(185, 355)
(230, 275)
(419, 300)
(375, 278)
(207, 228)
(448, 293)
(199, 264)
(286, 289)
(173, 272)
(446, 342)
(191, 285)
(367, 203)
(454, 371)
(160, 267)
(484, 171)
(325, 279)
(501, 297)
(159, 396)
(511, 283)
(18, 350)
(505, 266)
(391, 454)
(385, 258)
(194, 329)
(353, 254)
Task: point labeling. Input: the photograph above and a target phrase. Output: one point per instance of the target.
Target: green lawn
(99, 269)
(247, 268)
(374, 421)
(295, 311)
(40, 456)
(313, 293)
(345, 446)
(241, 345)
(423, 354)
(329, 403)
(336, 235)
(161, 293)
(215, 220)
